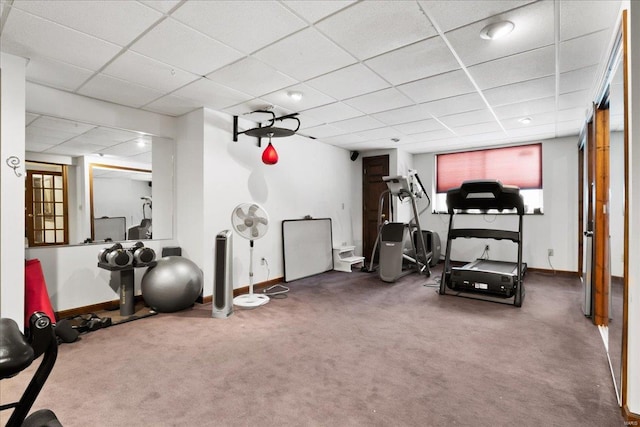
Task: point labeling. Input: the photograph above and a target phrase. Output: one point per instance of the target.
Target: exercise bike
(17, 352)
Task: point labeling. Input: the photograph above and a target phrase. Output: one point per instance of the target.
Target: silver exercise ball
(173, 284)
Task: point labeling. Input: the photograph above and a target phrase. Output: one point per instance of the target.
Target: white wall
(557, 229)
(216, 174)
(74, 278)
(633, 337)
(12, 188)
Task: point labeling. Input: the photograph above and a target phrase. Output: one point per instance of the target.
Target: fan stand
(250, 300)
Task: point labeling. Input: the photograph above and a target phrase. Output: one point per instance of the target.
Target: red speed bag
(36, 297)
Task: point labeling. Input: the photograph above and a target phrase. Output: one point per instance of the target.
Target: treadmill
(493, 279)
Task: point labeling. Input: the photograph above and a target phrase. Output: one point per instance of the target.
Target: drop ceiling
(370, 72)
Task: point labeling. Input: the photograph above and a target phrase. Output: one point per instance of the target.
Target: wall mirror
(110, 184)
(121, 203)
(616, 220)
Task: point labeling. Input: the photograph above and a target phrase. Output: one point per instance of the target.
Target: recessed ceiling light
(295, 95)
(496, 30)
(525, 120)
(141, 143)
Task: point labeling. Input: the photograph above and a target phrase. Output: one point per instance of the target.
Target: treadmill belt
(495, 266)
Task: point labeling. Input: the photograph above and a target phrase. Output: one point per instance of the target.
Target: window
(46, 220)
(520, 166)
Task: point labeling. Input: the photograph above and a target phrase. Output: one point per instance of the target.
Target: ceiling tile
(437, 87)
(56, 74)
(102, 142)
(30, 117)
(516, 68)
(229, 21)
(35, 146)
(176, 44)
(253, 105)
(47, 136)
(343, 140)
(534, 28)
(523, 91)
(349, 82)
(454, 105)
(332, 112)
(139, 69)
(211, 94)
(310, 98)
(431, 135)
(163, 6)
(536, 120)
(251, 76)
(103, 135)
(583, 78)
(578, 99)
(359, 124)
(412, 113)
(448, 17)
(63, 125)
(172, 105)
(468, 118)
(119, 91)
(569, 128)
(380, 133)
(313, 11)
(421, 126)
(534, 132)
(581, 17)
(367, 29)
(477, 129)
(125, 149)
(73, 148)
(423, 59)
(583, 51)
(572, 114)
(525, 109)
(118, 22)
(146, 158)
(29, 36)
(305, 55)
(324, 131)
(382, 100)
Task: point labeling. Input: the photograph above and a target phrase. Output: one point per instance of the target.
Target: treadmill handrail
(484, 233)
(484, 195)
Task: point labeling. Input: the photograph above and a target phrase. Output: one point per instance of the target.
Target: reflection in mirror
(616, 223)
(70, 148)
(121, 203)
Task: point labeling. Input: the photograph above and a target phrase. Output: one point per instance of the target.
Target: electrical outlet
(263, 261)
(549, 252)
(486, 247)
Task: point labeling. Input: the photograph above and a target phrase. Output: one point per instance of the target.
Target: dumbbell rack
(127, 293)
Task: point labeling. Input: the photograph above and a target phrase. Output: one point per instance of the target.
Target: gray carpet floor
(343, 349)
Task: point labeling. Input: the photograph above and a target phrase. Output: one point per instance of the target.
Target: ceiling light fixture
(295, 95)
(270, 155)
(525, 120)
(496, 30)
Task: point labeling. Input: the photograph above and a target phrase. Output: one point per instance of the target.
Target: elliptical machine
(17, 352)
(391, 238)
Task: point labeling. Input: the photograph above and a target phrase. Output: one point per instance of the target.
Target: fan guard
(250, 221)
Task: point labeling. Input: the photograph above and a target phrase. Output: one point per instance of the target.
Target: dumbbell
(115, 256)
(142, 254)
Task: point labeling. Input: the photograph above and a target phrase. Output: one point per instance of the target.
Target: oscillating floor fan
(250, 221)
